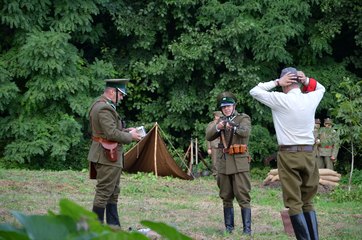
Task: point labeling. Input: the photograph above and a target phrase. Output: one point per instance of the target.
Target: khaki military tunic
(106, 123)
(214, 146)
(329, 146)
(233, 170)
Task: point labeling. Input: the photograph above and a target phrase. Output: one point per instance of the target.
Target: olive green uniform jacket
(238, 162)
(329, 142)
(233, 177)
(106, 123)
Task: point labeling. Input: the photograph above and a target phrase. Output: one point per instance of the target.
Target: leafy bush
(261, 144)
(75, 222)
(356, 177)
(341, 194)
(259, 173)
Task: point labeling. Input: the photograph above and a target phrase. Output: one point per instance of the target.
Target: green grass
(193, 207)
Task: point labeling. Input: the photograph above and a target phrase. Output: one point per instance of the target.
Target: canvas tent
(151, 155)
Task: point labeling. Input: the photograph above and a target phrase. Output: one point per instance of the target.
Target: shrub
(75, 222)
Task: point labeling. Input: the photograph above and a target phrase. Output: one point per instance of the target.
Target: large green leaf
(9, 232)
(46, 227)
(165, 230)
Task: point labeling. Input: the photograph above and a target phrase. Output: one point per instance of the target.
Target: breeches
(235, 186)
(327, 162)
(299, 176)
(107, 188)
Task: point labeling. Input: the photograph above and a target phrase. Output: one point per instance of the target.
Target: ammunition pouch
(236, 149)
(109, 147)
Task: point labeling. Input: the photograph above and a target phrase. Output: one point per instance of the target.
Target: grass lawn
(193, 207)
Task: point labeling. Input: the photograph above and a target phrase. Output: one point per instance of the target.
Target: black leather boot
(229, 219)
(112, 214)
(100, 213)
(300, 227)
(246, 217)
(311, 219)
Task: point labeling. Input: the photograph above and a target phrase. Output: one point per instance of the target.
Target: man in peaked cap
(329, 145)
(293, 117)
(106, 152)
(233, 178)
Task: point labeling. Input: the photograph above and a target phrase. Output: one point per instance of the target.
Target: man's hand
(302, 78)
(333, 159)
(287, 79)
(209, 151)
(135, 135)
(220, 125)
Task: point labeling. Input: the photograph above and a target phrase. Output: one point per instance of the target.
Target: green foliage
(357, 177)
(343, 195)
(75, 222)
(258, 173)
(349, 110)
(179, 55)
(261, 144)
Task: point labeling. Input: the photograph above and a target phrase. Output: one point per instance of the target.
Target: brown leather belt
(296, 148)
(101, 140)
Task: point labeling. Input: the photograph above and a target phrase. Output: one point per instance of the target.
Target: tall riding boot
(311, 219)
(300, 227)
(112, 214)
(246, 217)
(229, 219)
(100, 213)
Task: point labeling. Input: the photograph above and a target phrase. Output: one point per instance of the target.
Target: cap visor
(122, 91)
(225, 104)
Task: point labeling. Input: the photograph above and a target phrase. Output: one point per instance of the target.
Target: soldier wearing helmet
(329, 145)
(233, 179)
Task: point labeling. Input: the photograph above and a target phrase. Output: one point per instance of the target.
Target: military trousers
(299, 177)
(326, 162)
(107, 188)
(232, 186)
(214, 154)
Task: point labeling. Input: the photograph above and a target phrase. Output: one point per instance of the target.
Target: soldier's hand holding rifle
(225, 124)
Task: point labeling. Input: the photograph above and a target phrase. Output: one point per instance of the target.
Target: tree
(179, 56)
(348, 111)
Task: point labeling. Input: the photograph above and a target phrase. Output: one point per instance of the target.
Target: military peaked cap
(226, 99)
(120, 84)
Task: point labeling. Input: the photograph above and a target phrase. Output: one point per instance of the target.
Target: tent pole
(191, 158)
(203, 160)
(155, 151)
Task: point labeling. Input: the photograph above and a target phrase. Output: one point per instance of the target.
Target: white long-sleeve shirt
(293, 112)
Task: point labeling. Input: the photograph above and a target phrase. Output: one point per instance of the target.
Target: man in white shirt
(293, 116)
